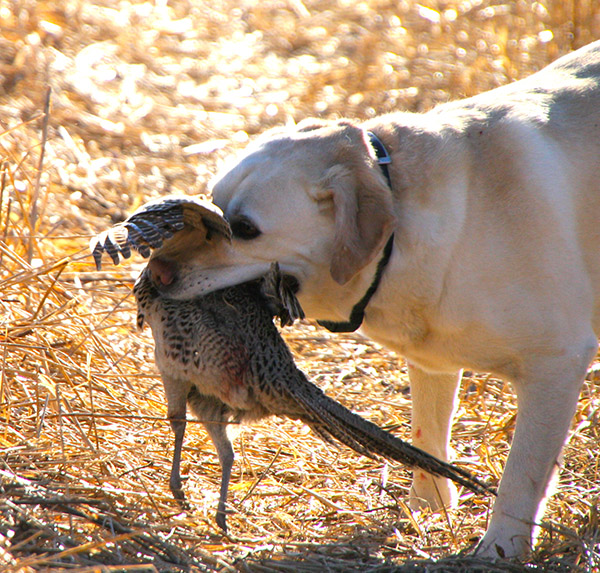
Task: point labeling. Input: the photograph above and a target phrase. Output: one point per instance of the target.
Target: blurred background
(151, 93)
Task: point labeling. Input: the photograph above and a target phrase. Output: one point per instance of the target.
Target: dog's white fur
(495, 204)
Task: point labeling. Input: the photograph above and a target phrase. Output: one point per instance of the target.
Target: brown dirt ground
(149, 97)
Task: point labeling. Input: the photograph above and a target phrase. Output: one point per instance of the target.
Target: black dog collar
(358, 311)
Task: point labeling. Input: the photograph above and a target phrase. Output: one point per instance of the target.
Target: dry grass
(149, 98)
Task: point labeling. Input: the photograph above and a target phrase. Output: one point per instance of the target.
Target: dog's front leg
(547, 399)
(434, 402)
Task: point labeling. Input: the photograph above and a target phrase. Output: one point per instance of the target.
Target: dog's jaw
(195, 282)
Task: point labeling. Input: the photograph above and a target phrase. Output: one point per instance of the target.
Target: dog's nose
(163, 272)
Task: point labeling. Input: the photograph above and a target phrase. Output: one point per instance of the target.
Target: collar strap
(358, 311)
(383, 157)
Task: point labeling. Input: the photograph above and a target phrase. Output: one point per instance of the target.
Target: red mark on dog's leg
(422, 476)
(418, 433)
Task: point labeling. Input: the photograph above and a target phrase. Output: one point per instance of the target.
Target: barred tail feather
(325, 415)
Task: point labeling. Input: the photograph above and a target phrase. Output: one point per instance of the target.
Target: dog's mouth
(163, 272)
(169, 278)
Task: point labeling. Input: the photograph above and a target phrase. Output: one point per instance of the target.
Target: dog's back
(532, 198)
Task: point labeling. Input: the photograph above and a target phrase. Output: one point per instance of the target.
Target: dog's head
(311, 198)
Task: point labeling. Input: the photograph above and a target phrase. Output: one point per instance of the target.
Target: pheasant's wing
(155, 223)
(281, 297)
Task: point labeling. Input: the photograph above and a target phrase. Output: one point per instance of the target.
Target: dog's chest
(407, 331)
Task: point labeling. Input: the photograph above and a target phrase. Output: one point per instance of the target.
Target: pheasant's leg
(178, 424)
(218, 434)
(176, 392)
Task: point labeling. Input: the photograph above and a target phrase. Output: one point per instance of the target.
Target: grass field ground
(148, 98)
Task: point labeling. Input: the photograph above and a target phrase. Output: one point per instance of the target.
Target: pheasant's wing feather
(113, 241)
(291, 305)
(118, 235)
(153, 224)
(152, 234)
(97, 248)
(281, 297)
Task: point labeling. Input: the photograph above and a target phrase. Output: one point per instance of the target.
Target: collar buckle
(381, 153)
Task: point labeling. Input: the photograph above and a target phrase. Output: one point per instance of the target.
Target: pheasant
(222, 355)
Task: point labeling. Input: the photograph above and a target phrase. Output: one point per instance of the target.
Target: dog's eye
(244, 229)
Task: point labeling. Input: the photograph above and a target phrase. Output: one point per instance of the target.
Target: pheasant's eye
(244, 229)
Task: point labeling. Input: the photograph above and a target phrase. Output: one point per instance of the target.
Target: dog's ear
(364, 217)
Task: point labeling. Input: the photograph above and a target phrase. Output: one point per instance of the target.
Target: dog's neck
(357, 314)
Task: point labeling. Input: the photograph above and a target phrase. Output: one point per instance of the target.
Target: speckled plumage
(223, 355)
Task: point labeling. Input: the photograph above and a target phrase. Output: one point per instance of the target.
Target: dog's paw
(433, 493)
(506, 538)
(514, 546)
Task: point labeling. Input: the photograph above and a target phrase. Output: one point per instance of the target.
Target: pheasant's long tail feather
(325, 415)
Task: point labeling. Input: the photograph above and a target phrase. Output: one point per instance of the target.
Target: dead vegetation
(148, 97)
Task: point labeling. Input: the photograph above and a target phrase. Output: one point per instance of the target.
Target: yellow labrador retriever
(490, 212)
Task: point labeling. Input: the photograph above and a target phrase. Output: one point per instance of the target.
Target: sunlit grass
(149, 98)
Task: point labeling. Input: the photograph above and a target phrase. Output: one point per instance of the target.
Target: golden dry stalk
(147, 99)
